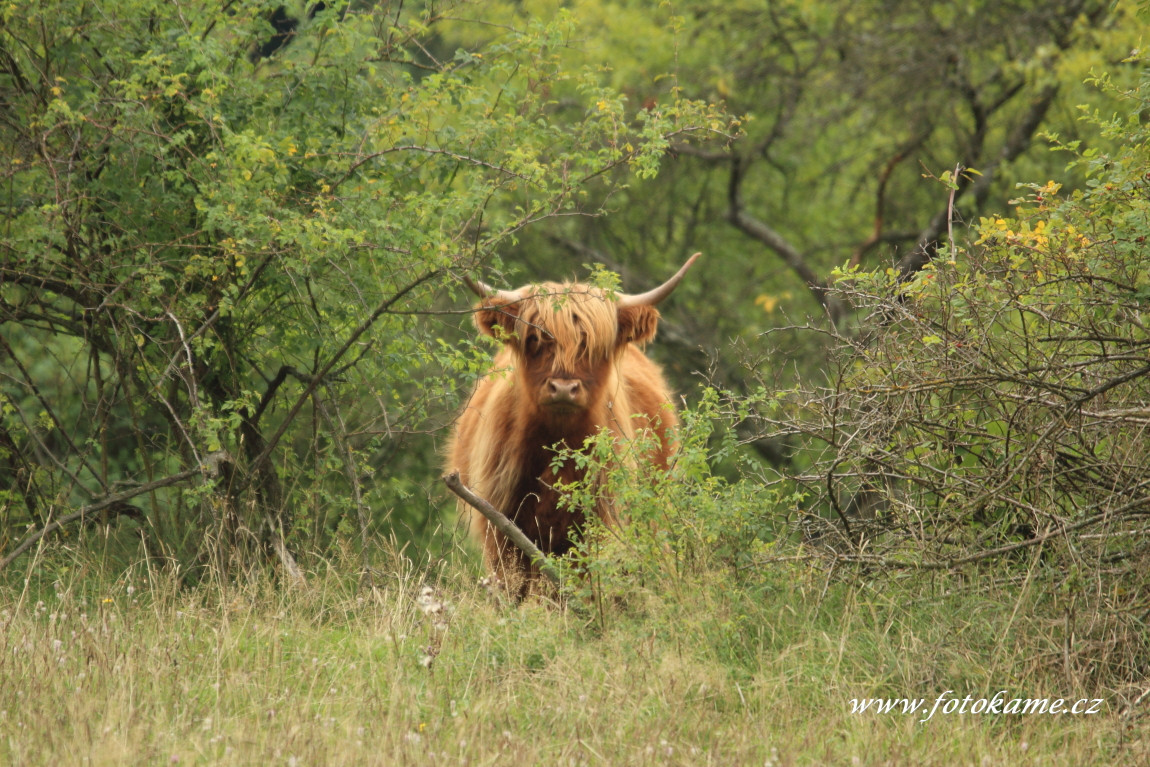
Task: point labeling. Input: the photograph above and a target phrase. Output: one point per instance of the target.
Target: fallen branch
(112, 501)
(502, 524)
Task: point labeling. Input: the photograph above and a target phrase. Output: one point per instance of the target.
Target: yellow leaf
(767, 302)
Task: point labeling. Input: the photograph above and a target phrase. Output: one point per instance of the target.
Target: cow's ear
(497, 320)
(637, 324)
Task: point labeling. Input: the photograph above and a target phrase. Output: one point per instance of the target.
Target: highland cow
(570, 367)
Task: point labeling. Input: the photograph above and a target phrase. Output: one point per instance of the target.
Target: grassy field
(434, 670)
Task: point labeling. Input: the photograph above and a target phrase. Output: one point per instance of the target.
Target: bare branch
(502, 524)
(760, 231)
(382, 309)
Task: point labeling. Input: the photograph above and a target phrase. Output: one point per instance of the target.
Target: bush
(994, 411)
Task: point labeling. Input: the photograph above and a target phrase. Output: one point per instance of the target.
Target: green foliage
(1012, 378)
(677, 525)
(841, 106)
(228, 299)
(217, 265)
(994, 413)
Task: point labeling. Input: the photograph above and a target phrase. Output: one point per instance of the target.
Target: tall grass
(429, 668)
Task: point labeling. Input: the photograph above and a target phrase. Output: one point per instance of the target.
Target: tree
(846, 111)
(212, 274)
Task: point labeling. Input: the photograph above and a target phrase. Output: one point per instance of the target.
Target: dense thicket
(216, 276)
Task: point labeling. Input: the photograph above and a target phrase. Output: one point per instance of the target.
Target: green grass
(132, 670)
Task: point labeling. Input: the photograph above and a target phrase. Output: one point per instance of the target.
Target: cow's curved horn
(652, 297)
(483, 290)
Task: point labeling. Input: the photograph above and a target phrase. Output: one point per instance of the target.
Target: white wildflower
(427, 602)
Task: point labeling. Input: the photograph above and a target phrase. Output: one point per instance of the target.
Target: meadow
(428, 667)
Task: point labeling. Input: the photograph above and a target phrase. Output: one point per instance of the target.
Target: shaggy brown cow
(570, 366)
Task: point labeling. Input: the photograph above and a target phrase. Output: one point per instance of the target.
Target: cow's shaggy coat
(570, 366)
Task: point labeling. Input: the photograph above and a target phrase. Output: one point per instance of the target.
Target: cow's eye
(533, 346)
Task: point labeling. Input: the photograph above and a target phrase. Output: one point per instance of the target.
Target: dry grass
(134, 671)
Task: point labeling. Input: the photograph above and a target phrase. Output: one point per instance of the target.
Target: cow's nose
(563, 389)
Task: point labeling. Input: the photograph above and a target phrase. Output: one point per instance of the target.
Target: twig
(950, 212)
(339, 434)
(956, 562)
(502, 524)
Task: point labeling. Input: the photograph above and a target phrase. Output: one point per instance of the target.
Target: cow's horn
(652, 297)
(483, 290)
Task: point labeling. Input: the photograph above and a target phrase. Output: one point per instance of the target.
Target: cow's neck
(536, 494)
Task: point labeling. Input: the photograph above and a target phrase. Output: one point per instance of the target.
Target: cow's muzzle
(564, 393)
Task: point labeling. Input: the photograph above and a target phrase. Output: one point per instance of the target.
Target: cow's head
(567, 336)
